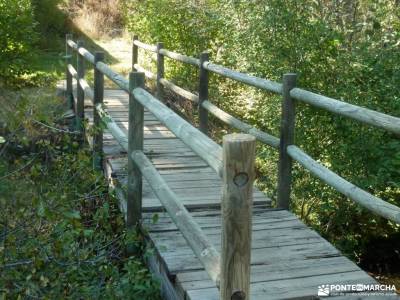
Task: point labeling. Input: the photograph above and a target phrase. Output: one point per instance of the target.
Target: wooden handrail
(148, 47)
(180, 57)
(365, 199)
(191, 231)
(361, 114)
(179, 91)
(72, 71)
(86, 54)
(261, 136)
(147, 73)
(355, 112)
(212, 153)
(261, 83)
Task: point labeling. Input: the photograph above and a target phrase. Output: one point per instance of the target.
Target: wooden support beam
(135, 142)
(203, 93)
(80, 104)
(237, 203)
(287, 138)
(98, 99)
(160, 72)
(68, 59)
(135, 53)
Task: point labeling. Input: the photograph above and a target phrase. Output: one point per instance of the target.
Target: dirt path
(121, 49)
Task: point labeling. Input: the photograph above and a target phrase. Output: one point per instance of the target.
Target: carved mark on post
(241, 179)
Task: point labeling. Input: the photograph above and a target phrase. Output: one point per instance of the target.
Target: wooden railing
(234, 162)
(285, 144)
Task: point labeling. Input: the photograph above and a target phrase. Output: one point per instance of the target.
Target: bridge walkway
(289, 260)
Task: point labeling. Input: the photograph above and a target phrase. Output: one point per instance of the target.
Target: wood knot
(241, 179)
(238, 295)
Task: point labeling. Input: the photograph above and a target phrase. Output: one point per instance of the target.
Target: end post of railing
(80, 101)
(287, 138)
(203, 92)
(135, 142)
(160, 71)
(68, 59)
(135, 53)
(237, 203)
(98, 99)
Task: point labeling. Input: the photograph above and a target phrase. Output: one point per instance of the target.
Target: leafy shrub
(17, 37)
(51, 21)
(346, 50)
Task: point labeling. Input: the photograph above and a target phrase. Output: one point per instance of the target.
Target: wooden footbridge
(217, 236)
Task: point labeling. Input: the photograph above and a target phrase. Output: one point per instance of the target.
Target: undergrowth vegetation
(344, 49)
(29, 30)
(62, 235)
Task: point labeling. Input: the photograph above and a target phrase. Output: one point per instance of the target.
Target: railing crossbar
(179, 91)
(191, 231)
(180, 57)
(361, 114)
(147, 73)
(261, 83)
(261, 136)
(145, 46)
(365, 199)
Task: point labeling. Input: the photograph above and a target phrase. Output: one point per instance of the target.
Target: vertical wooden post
(134, 53)
(287, 138)
(80, 103)
(160, 71)
(238, 178)
(203, 93)
(68, 59)
(98, 99)
(135, 142)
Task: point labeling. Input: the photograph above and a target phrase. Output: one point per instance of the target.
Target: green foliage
(347, 50)
(26, 28)
(62, 235)
(17, 37)
(51, 21)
